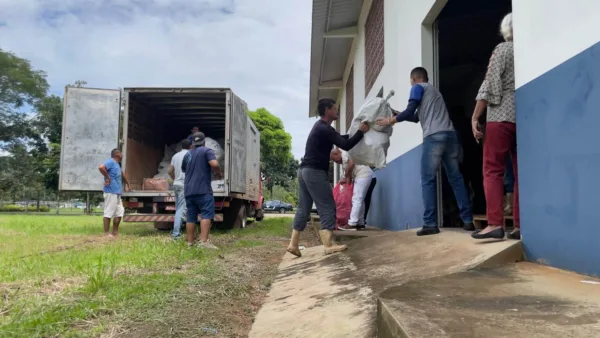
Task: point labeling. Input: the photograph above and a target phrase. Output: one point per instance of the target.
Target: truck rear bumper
(160, 218)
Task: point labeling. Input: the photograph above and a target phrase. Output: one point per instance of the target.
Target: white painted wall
(408, 44)
(549, 32)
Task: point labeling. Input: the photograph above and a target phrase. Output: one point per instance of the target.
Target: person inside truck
(113, 205)
(361, 176)
(313, 176)
(197, 165)
(178, 177)
(191, 136)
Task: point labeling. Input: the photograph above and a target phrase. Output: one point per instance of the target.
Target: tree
(20, 85)
(48, 127)
(277, 163)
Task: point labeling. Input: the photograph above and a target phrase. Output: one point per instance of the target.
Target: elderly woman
(497, 94)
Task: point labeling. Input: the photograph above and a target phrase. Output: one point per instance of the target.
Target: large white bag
(372, 149)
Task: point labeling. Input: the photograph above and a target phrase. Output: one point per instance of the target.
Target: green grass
(59, 277)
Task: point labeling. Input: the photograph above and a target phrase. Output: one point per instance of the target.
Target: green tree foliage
(20, 85)
(277, 163)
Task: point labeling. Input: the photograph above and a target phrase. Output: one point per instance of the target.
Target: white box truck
(140, 122)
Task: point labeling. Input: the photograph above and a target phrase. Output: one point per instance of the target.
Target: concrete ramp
(336, 296)
(518, 300)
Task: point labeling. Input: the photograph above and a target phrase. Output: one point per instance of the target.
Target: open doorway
(467, 32)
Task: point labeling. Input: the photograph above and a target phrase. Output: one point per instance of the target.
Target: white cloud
(260, 48)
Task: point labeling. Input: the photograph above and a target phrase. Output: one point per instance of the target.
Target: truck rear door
(238, 129)
(90, 131)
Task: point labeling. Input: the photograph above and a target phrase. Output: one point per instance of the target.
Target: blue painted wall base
(396, 200)
(558, 121)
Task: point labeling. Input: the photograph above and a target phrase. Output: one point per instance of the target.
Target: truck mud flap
(159, 218)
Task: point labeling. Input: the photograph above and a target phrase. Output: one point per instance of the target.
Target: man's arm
(186, 160)
(341, 142)
(414, 100)
(104, 171)
(125, 180)
(213, 163)
(349, 169)
(172, 172)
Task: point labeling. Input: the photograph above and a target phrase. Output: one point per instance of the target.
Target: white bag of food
(372, 149)
(216, 147)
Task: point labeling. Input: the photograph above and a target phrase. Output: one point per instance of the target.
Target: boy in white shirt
(361, 175)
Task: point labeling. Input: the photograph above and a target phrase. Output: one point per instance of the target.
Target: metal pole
(87, 206)
(57, 202)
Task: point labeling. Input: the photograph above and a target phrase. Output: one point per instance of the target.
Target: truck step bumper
(160, 218)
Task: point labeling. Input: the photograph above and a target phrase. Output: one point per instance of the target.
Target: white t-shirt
(359, 171)
(176, 163)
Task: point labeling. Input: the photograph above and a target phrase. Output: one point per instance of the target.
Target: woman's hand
(476, 132)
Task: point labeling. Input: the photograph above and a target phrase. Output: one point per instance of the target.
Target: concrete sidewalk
(336, 296)
(519, 300)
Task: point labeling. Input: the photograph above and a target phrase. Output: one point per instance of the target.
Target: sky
(259, 48)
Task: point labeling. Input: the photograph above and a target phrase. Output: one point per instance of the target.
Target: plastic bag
(216, 147)
(342, 195)
(372, 149)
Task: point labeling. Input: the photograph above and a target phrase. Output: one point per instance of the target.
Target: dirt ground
(225, 307)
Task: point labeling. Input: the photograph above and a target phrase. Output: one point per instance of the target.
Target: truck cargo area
(159, 117)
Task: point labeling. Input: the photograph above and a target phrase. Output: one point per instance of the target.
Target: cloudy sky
(260, 48)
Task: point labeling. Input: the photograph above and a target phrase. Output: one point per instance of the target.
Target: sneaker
(206, 245)
(347, 227)
(176, 238)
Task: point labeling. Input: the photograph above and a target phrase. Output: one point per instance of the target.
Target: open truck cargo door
(238, 129)
(90, 130)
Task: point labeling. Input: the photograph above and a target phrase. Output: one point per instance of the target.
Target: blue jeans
(179, 211)
(442, 147)
(509, 176)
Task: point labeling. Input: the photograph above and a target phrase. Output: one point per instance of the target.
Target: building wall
(408, 43)
(557, 60)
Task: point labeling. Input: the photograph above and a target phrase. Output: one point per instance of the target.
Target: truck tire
(282, 210)
(260, 215)
(163, 226)
(242, 219)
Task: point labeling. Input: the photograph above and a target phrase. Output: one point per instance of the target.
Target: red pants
(500, 140)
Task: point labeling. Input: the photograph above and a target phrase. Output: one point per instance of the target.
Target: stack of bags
(162, 181)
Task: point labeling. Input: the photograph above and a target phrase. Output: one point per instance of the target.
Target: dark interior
(159, 118)
(468, 33)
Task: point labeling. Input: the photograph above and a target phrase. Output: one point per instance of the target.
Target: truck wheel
(163, 226)
(260, 215)
(241, 220)
(282, 211)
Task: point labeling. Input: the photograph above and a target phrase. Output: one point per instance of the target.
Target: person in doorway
(178, 177)
(197, 165)
(194, 131)
(113, 178)
(440, 146)
(497, 94)
(361, 176)
(313, 176)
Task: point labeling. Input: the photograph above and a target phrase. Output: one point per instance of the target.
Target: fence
(90, 204)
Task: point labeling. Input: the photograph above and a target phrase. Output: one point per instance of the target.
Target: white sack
(372, 149)
(216, 147)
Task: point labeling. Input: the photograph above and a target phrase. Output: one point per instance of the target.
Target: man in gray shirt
(440, 145)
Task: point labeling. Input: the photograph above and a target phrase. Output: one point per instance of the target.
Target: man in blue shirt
(197, 165)
(440, 146)
(113, 205)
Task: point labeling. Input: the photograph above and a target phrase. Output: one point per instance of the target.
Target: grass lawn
(60, 277)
